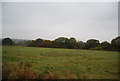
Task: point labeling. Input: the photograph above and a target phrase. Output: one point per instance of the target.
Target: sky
(50, 20)
(0, 20)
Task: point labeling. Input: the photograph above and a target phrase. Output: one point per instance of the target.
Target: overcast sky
(50, 20)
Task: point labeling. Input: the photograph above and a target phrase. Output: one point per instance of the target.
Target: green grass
(83, 64)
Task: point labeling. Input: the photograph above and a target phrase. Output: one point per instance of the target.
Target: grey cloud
(50, 20)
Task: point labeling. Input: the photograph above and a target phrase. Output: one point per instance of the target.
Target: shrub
(24, 71)
(96, 48)
(5, 71)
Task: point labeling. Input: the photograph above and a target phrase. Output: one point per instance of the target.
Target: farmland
(81, 64)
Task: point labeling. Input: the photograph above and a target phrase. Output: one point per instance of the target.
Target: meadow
(79, 64)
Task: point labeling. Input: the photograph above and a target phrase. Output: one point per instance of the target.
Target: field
(80, 64)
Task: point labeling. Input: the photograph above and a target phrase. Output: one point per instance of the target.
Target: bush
(5, 71)
(23, 71)
(96, 48)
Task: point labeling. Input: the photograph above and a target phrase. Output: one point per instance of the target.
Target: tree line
(63, 42)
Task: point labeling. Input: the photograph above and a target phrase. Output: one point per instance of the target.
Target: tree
(46, 43)
(61, 42)
(91, 43)
(105, 45)
(116, 44)
(32, 43)
(72, 43)
(81, 44)
(7, 41)
(39, 40)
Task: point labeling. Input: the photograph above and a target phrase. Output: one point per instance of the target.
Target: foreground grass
(80, 64)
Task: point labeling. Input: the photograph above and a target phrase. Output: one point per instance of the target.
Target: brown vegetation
(25, 72)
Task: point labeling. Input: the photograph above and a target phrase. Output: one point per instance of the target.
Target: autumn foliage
(71, 43)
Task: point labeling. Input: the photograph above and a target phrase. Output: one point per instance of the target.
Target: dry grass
(50, 75)
(24, 71)
(5, 71)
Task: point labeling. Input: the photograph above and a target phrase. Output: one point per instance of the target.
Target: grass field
(81, 64)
